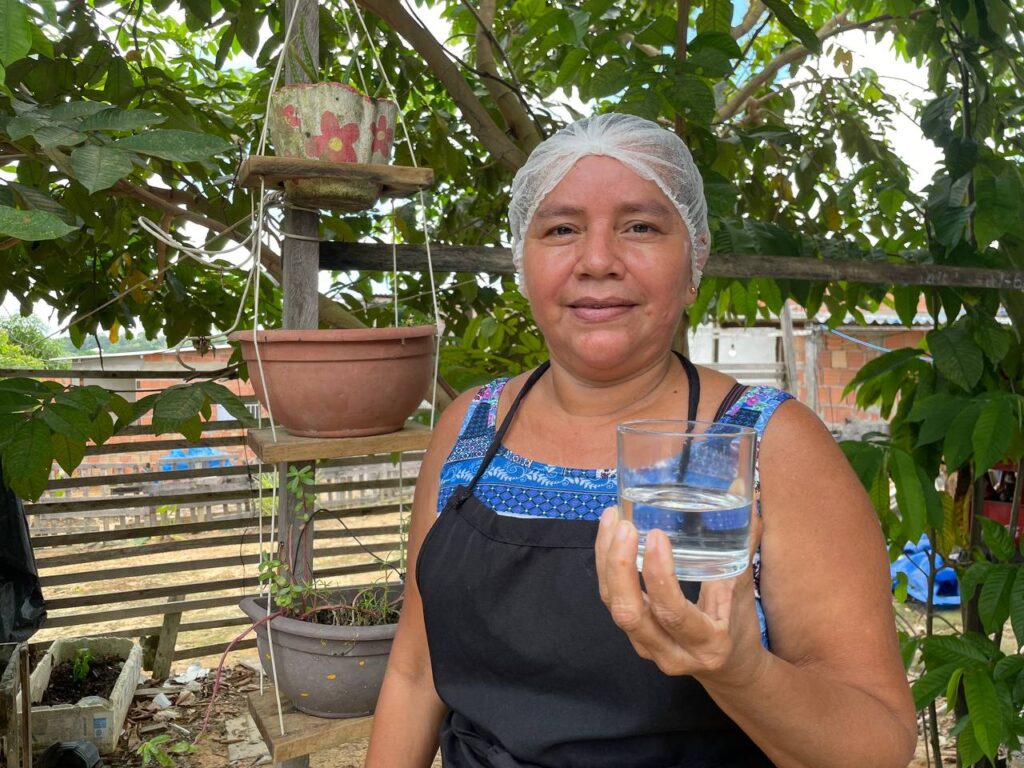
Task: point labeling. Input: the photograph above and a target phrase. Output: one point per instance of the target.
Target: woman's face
(607, 269)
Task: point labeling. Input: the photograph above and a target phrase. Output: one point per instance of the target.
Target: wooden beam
(413, 437)
(396, 180)
(498, 261)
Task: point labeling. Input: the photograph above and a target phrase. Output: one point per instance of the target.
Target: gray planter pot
(327, 671)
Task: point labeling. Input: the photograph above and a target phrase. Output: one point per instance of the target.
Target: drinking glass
(694, 480)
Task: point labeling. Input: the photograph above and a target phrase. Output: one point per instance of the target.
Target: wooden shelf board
(303, 734)
(287, 447)
(397, 180)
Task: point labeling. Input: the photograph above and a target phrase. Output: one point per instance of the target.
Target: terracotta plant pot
(327, 671)
(336, 123)
(341, 383)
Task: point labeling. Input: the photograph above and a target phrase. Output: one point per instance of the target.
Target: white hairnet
(644, 147)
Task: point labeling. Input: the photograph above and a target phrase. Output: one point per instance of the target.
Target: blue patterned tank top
(519, 487)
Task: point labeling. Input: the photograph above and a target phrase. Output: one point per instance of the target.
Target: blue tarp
(188, 458)
(914, 563)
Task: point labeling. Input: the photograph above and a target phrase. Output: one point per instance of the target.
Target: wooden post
(167, 641)
(788, 348)
(26, 706)
(300, 261)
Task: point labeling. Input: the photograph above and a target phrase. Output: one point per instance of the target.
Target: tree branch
(490, 135)
(749, 20)
(506, 99)
(836, 25)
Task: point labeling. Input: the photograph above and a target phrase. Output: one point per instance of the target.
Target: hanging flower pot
(338, 124)
(340, 383)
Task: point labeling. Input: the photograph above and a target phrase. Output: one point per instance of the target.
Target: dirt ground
(213, 746)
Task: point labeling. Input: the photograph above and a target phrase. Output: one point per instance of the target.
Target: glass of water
(694, 480)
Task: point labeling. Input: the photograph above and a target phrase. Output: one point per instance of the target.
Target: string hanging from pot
(422, 209)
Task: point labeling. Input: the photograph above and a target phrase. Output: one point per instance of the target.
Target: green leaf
(192, 428)
(16, 402)
(124, 410)
(119, 86)
(799, 28)
(882, 365)
(31, 225)
(983, 706)
(937, 413)
(715, 17)
(178, 403)
(218, 393)
(170, 144)
(962, 649)
(75, 109)
(1009, 666)
(28, 458)
(972, 577)
(121, 120)
(905, 301)
(957, 446)
(15, 31)
(691, 96)
(100, 167)
(67, 452)
(993, 339)
(1017, 613)
(570, 66)
(608, 80)
(997, 538)
(994, 601)
(102, 428)
(956, 355)
(247, 28)
(909, 494)
(931, 684)
(58, 136)
(67, 420)
(967, 745)
(993, 432)
(952, 688)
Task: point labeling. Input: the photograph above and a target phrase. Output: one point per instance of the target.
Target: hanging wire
(422, 207)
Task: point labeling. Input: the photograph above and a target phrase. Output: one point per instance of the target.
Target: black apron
(528, 660)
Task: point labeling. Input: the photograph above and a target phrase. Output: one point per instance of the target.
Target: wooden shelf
(397, 180)
(291, 448)
(303, 734)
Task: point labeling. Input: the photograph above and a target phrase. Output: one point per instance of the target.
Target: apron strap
(503, 428)
(693, 382)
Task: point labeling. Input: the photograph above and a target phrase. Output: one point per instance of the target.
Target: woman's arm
(832, 692)
(409, 712)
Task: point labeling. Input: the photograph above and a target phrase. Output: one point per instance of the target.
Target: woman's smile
(595, 310)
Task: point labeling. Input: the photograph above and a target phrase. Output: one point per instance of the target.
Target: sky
(904, 80)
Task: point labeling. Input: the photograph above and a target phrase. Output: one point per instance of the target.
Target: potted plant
(340, 383)
(330, 646)
(335, 123)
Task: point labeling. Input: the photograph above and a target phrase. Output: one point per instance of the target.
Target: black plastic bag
(22, 608)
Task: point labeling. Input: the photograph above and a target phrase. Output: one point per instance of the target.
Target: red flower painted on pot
(382, 137)
(289, 116)
(336, 142)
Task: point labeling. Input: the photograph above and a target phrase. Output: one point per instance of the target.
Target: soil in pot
(64, 688)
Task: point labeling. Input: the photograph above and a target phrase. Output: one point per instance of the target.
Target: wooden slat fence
(132, 538)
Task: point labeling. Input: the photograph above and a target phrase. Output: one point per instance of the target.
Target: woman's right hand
(716, 639)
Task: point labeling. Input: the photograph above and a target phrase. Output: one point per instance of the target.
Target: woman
(526, 638)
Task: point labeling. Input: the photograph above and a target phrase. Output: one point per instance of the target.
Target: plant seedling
(80, 664)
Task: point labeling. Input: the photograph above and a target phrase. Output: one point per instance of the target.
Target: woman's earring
(693, 288)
